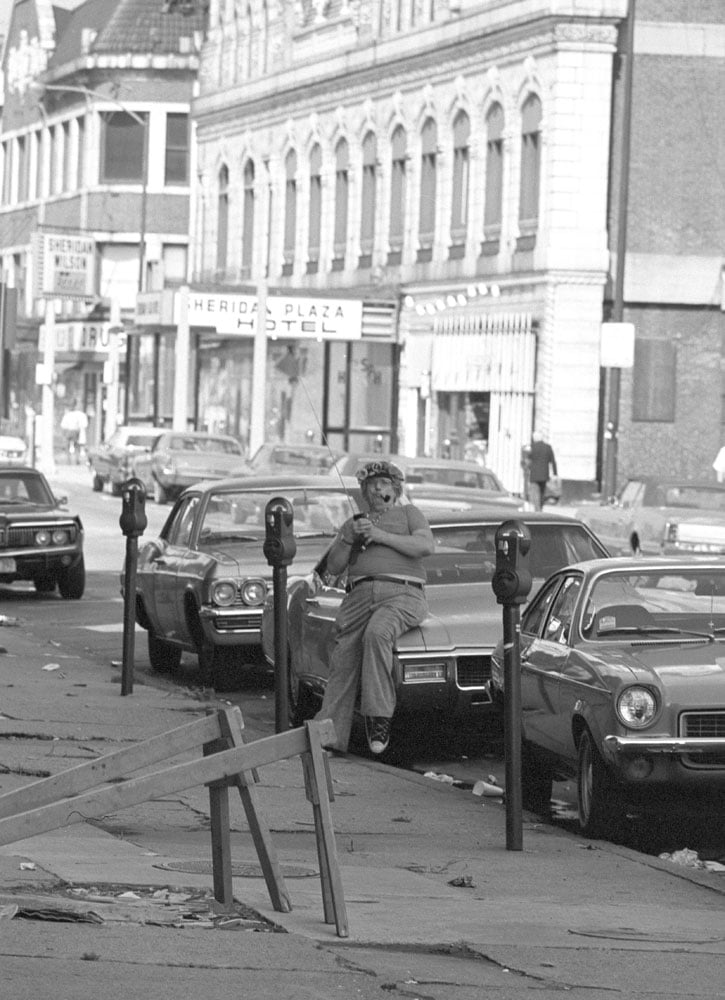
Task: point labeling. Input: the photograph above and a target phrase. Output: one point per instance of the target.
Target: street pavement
(438, 907)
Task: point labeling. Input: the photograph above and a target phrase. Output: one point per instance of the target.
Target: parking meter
(279, 550)
(279, 544)
(511, 582)
(133, 518)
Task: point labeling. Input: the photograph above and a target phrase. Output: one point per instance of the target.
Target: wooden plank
(112, 766)
(99, 802)
(221, 853)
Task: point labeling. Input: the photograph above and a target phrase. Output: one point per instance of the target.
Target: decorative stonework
(26, 61)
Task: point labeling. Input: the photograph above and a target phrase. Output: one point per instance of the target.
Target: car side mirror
(61, 501)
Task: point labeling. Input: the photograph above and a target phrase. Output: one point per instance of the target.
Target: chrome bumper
(664, 744)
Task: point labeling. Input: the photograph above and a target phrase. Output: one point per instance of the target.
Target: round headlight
(224, 593)
(60, 537)
(42, 537)
(636, 707)
(254, 592)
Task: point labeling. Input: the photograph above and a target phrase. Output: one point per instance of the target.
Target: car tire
(98, 484)
(45, 584)
(536, 781)
(72, 581)
(163, 656)
(160, 494)
(597, 800)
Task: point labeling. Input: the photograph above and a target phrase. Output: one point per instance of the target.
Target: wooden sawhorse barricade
(72, 796)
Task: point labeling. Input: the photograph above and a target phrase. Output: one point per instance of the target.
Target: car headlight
(254, 592)
(42, 537)
(60, 537)
(224, 593)
(636, 707)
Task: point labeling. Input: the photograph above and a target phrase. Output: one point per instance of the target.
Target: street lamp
(143, 121)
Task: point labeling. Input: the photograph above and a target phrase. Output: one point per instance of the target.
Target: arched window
(222, 229)
(398, 193)
(369, 185)
(461, 167)
(426, 221)
(290, 212)
(313, 240)
(248, 220)
(530, 165)
(493, 200)
(342, 194)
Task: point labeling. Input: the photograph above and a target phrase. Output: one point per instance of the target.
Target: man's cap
(388, 470)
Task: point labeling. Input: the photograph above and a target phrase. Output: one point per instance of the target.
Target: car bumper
(21, 564)
(677, 746)
(232, 626)
(457, 686)
(682, 763)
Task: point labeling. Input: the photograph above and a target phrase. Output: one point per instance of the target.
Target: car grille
(23, 536)
(703, 725)
(473, 671)
(233, 623)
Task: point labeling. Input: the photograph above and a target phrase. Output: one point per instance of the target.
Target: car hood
(208, 465)
(465, 616)
(248, 559)
(38, 512)
(686, 671)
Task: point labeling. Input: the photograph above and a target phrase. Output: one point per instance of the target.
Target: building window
(530, 165)
(461, 166)
(22, 168)
(123, 152)
(222, 221)
(176, 170)
(248, 220)
(81, 163)
(7, 170)
(493, 196)
(342, 192)
(290, 212)
(369, 185)
(426, 222)
(653, 381)
(398, 194)
(40, 172)
(315, 210)
(67, 152)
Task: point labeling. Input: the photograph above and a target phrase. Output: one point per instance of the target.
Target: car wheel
(45, 584)
(160, 494)
(536, 780)
(597, 799)
(97, 484)
(72, 581)
(164, 657)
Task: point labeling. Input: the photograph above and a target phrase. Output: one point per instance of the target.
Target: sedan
(13, 450)
(655, 516)
(623, 686)
(115, 461)
(181, 458)
(442, 667)
(202, 584)
(39, 541)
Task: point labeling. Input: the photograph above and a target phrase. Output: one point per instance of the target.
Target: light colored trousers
(371, 617)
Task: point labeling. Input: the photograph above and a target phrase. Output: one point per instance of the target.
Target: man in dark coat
(542, 465)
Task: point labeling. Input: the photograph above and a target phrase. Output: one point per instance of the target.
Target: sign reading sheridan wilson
(287, 316)
(64, 265)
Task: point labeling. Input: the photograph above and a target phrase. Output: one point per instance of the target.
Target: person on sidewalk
(383, 551)
(542, 465)
(75, 426)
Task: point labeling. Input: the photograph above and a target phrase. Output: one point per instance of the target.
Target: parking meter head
(133, 518)
(279, 543)
(511, 582)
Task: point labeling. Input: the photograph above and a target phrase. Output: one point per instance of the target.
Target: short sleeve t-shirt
(381, 560)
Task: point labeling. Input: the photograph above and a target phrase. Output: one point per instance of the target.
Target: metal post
(46, 460)
(144, 120)
(281, 663)
(129, 614)
(512, 726)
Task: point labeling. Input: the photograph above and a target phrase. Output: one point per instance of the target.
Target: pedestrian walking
(542, 466)
(383, 551)
(75, 426)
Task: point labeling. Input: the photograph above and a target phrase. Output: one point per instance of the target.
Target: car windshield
(552, 545)
(667, 602)
(239, 514)
(24, 488)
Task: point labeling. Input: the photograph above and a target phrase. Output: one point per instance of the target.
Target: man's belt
(384, 579)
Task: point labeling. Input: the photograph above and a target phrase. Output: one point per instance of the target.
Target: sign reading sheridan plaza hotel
(290, 317)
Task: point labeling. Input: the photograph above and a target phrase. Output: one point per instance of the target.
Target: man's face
(380, 493)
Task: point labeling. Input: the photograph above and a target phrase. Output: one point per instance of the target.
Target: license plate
(7, 565)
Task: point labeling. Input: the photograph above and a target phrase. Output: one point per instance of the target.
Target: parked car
(202, 584)
(443, 665)
(304, 459)
(656, 516)
(181, 458)
(114, 461)
(623, 687)
(38, 540)
(13, 450)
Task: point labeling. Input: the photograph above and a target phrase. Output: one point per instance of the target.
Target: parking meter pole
(281, 651)
(129, 615)
(512, 727)
(133, 523)
(280, 548)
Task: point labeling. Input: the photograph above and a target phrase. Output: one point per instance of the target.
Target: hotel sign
(293, 317)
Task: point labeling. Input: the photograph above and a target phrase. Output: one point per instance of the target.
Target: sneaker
(377, 730)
